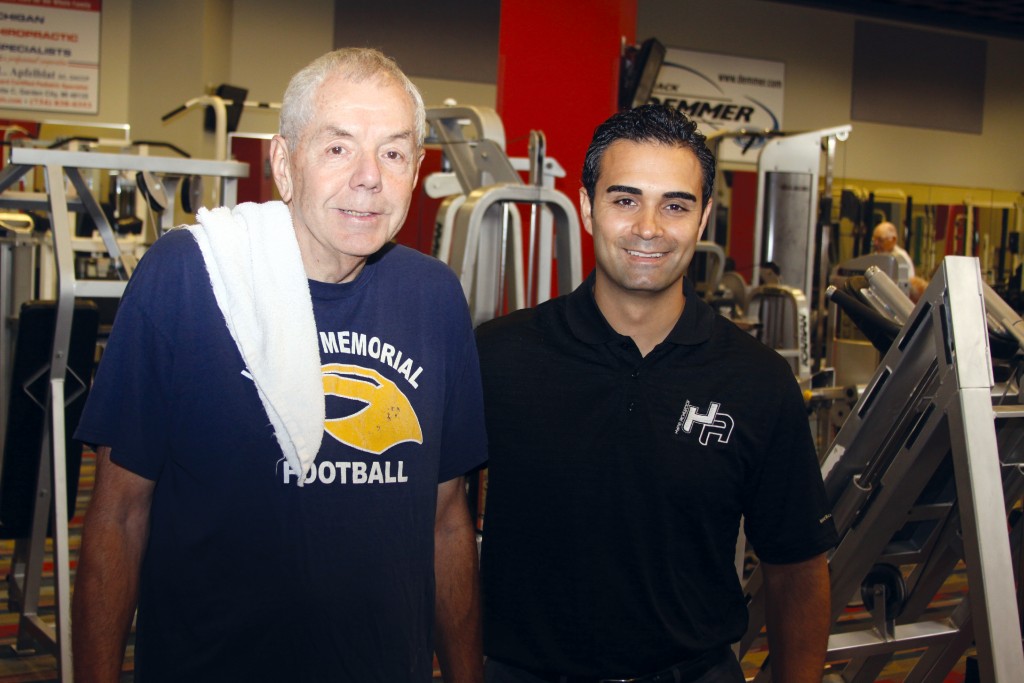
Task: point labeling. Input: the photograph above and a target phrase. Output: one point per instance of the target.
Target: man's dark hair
(650, 123)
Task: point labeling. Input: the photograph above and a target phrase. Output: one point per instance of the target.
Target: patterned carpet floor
(21, 667)
(16, 667)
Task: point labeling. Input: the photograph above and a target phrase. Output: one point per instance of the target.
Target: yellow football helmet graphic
(386, 420)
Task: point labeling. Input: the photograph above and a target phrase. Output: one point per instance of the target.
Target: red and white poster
(50, 55)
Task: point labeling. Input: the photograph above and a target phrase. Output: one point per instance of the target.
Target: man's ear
(586, 211)
(419, 164)
(280, 166)
(704, 219)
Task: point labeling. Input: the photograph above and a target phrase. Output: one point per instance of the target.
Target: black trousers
(729, 671)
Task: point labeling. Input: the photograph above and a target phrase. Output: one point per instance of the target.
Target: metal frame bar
(799, 153)
(470, 236)
(773, 306)
(481, 236)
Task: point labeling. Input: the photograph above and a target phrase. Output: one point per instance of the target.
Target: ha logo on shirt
(711, 424)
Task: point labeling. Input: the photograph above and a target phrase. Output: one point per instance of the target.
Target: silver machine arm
(480, 224)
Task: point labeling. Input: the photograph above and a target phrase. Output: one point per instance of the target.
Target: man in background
(883, 241)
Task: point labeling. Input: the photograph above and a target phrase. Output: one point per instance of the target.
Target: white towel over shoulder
(261, 288)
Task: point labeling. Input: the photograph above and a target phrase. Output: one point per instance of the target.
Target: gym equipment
(234, 98)
(19, 459)
(922, 476)
(851, 355)
(191, 193)
(733, 291)
(638, 72)
(707, 268)
(60, 167)
(25, 467)
(784, 324)
(165, 172)
(791, 229)
(886, 295)
(787, 219)
(19, 252)
(223, 112)
(153, 190)
(220, 113)
(226, 113)
(480, 234)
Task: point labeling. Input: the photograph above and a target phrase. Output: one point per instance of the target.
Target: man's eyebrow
(677, 194)
(401, 135)
(335, 132)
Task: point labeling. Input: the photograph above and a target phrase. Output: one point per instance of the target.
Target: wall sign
(50, 55)
(724, 93)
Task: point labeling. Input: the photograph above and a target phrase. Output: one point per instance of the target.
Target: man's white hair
(355, 64)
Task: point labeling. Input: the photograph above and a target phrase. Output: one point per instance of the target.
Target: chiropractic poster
(50, 55)
(722, 94)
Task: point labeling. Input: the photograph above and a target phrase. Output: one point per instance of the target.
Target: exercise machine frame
(921, 476)
(59, 167)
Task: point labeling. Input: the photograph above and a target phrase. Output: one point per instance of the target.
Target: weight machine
(50, 503)
(922, 476)
(791, 231)
(479, 227)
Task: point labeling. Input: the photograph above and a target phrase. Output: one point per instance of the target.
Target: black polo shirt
(617, 483)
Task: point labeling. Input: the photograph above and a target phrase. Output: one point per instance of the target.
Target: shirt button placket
(633, 389)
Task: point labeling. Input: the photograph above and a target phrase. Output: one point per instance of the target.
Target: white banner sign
(50, 55)
(724, 93)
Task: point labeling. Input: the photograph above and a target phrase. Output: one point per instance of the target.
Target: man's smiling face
(646, 217)
(349, 180)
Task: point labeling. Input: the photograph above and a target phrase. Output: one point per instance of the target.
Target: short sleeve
(125, 409)
(787, 516)
(464, 436)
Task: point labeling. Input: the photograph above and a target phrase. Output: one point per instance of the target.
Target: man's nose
(647, 225)
(366, 174)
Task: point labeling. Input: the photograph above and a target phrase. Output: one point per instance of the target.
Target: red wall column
(558, 72)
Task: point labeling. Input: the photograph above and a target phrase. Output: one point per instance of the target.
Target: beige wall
(180, 50)
(817, 49)
(169, 66)
(270, 41)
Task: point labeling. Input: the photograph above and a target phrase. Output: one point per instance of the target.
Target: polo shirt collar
(590, 327)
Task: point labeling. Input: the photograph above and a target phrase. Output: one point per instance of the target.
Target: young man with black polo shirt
(630, 428)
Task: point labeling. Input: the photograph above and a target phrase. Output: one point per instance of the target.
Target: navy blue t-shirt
(248, 576)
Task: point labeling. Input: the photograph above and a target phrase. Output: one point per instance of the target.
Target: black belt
(681, 672)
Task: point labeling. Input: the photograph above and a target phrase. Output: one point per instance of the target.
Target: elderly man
(630, 428)
(284, 414)
(883, 241)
